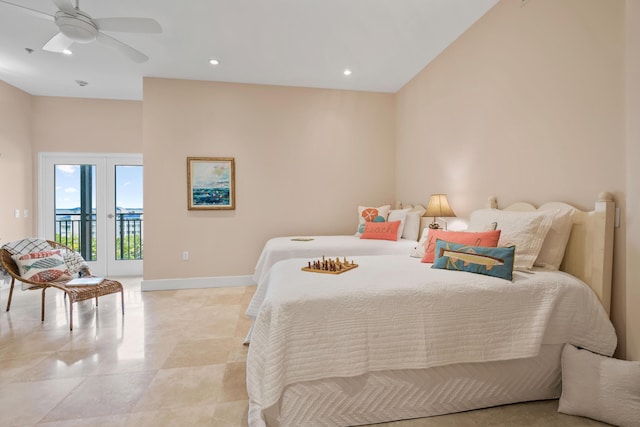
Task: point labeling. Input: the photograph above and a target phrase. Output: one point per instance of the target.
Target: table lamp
(438, 207)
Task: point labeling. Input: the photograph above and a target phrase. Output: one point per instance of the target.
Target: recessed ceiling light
(347, 72)
(67, 52)
(214, 62)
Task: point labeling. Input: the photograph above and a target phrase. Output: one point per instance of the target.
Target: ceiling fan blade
(128, 25)
(30, 11)
(66, 6)
(58, 43)
(123, 48)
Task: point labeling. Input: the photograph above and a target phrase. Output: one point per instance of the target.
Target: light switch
(25, 213)
(17, 213)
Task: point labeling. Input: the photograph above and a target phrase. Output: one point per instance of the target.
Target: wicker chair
(75, 293)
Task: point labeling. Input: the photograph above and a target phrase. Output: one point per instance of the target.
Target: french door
(93, 203)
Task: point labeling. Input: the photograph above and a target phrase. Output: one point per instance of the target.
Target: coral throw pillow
(470, 238)
(381, 230)
(371, 214)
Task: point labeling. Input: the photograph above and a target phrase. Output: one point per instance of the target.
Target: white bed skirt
(404, 394)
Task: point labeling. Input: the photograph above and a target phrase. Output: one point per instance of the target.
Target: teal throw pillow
(497, 262)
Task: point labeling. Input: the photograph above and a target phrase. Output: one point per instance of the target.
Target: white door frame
(105, 205)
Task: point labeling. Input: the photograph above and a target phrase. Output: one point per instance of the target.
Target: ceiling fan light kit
(77, 26)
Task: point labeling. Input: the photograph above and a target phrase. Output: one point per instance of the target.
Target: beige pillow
(411, 229)
(600, 387)
(555, 243)
(399, 215)
(524, 230)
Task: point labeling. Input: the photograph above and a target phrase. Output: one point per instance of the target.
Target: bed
(394, 339)
(282, 248)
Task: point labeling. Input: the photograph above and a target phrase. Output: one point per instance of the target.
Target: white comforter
(394, 312)
(281, 248)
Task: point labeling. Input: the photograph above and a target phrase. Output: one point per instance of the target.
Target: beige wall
(305, 159)
(527, 104)
(633, 179)
(16, 164)
(86, 125)
(507, 108)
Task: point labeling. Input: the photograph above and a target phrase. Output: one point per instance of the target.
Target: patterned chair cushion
(42, 267)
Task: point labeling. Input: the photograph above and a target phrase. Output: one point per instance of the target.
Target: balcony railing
(129, 232)
(128, 236)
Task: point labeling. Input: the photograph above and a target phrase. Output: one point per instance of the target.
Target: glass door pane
(75, 208)
(129, 212)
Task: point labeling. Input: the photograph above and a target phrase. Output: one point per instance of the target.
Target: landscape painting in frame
(211, 182)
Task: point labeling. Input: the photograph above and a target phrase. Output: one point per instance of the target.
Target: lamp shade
(439, 206)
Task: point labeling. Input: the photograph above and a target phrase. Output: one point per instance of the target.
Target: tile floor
(175, 359)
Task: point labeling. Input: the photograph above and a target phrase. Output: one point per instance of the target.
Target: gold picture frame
(211, 183)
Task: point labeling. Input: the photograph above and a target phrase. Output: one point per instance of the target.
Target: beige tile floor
(175, 359)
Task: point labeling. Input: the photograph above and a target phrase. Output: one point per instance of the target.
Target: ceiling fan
(77, 26)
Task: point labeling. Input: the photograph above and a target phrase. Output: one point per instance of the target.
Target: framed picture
(211, 183)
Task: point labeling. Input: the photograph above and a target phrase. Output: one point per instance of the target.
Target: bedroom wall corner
(633, 180)
(16, 164)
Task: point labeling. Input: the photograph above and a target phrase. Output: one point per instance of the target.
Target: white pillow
(412, 223)
(600, 387)
(368, 214)
(399, 215)
(552, 251)
(418, 251)
(525, 230)
(74, 261)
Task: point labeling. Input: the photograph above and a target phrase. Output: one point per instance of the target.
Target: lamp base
(434, 226)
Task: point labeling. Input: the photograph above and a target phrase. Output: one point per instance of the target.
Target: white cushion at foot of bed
(600, 387)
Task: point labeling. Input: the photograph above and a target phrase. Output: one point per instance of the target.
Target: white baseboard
(196, 283)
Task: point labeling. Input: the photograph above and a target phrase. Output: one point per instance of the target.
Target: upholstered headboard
(589, 253)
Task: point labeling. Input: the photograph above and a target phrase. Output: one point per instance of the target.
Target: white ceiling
(305, 43)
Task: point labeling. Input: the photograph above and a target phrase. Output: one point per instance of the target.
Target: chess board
(330, 266)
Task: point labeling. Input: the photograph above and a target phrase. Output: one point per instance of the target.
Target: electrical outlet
(185, 256)
(25, 213)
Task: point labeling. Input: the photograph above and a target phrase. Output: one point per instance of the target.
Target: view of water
(211, 196)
